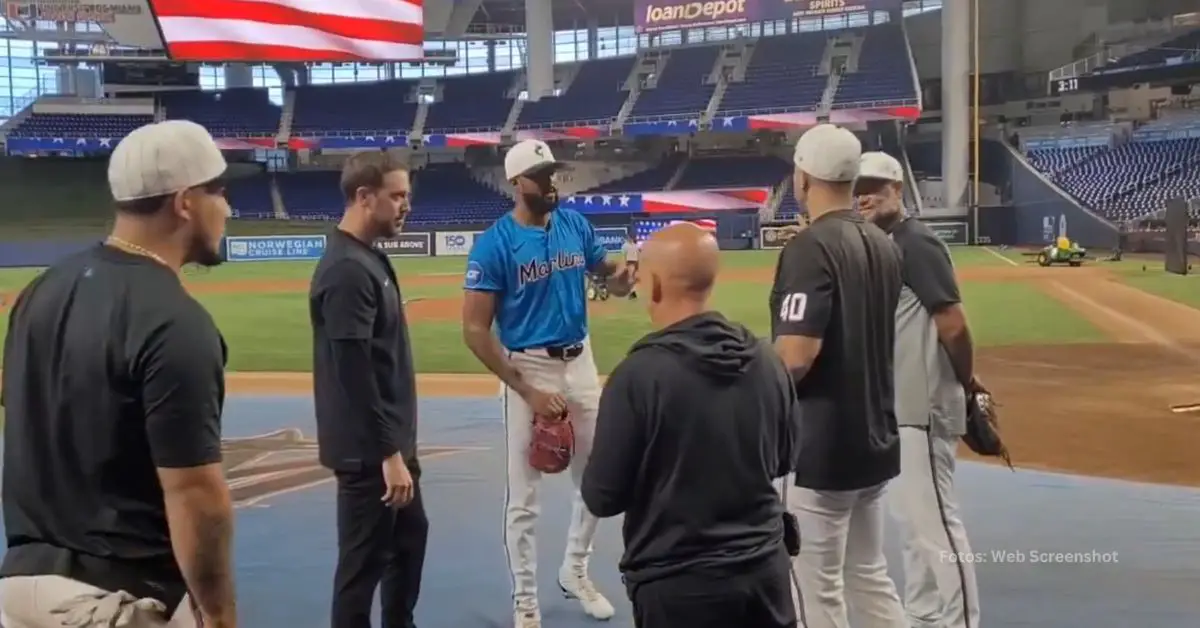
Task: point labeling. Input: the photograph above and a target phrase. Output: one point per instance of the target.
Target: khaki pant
(55, 602)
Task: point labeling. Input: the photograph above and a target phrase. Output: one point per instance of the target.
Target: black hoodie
(694, 426)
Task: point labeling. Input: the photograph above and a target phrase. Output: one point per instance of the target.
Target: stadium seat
(885, 74)
(1126, 182)
(447, 194)
(1056, 161)
(654, 178)
(478, 102)
(250, 197)
(594, 97)
(70, 125)
(1184, 44)
(349, 109)
(781, 77)
(680, 91)
(732, 172)
(239, 112)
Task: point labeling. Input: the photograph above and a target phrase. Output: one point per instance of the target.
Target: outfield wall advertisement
(952, 232)
(662, 15)
(406, 245)
(274, 248)
(454, 243)
(310, 247)
(613, 238)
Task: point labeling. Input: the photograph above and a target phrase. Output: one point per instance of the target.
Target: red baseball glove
(552, 444)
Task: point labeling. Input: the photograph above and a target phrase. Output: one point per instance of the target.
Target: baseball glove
(983, 429)
(552, 444)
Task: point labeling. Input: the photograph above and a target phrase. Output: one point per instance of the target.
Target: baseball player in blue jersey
(526, 274)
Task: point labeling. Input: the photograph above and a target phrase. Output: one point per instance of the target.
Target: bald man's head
(680, 264)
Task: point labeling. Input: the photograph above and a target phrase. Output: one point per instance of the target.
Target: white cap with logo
(828, 153)
(528, 156)
(163, 158)
(877, 165)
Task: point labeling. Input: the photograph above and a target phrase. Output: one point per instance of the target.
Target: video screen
(291, 30)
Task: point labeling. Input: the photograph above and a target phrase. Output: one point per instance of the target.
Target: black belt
(560, 352)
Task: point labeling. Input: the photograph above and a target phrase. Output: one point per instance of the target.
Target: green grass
(269, 331)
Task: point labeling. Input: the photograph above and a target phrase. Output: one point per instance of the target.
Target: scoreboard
(1059, 87)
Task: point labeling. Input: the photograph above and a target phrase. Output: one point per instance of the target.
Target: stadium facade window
(917, 7)
(22, 80)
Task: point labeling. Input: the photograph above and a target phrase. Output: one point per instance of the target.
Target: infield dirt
(1100, 409)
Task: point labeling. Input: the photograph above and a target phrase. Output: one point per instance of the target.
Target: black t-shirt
(110, 370)
(365, 387)
(840, 280)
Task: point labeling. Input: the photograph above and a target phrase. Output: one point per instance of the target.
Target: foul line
(1001, 256)
(1142, 329)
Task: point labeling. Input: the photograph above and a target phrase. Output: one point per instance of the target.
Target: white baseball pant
(578, 381)
(55, 601)
(940, 590)
(841, 562)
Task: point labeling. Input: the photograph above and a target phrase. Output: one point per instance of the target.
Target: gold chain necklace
(130, 247)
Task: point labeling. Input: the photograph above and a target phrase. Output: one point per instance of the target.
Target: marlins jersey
(538, 276)
(927, 392)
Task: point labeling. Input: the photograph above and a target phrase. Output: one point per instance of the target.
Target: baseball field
(1086, 362)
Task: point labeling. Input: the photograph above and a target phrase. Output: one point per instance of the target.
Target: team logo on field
(284, 461)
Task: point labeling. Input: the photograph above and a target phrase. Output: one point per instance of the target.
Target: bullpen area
(1096, 528)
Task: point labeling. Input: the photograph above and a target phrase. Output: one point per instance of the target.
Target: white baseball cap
(528, 156)
(877, 165)
(163, 158)
(829, 153)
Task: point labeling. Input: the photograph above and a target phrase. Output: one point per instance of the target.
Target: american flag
(291, 30)
(707, 224)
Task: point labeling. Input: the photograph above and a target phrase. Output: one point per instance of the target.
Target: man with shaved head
(694, 427)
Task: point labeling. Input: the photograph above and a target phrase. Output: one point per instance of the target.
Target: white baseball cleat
(527, 615)
(576, 584)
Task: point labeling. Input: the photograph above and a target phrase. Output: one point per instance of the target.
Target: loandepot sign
(714, 12)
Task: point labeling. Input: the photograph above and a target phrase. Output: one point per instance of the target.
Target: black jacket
(694, 426)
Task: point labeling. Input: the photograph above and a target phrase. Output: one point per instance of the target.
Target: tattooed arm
(183, 390)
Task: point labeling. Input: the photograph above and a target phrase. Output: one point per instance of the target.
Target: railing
(875, 104)
(372, 133)
(663, 117)
(1098, 60)
(566, 124)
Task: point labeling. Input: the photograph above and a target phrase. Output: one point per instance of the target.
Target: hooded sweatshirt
(694, 426)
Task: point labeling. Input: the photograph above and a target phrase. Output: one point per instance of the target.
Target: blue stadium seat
(1180, 46)
(79, 125)
(1059, 160)
(443, 194)
(250, 197)
(656, 178)
(732, 172)
(447, 194)
(884, 76)
(781, 77)
(239, 112)
(311, 194)
(680, 91)
(594, 97)
(478, 102)
(382, 108)
(1129, 181)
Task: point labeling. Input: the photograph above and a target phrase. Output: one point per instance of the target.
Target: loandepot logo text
(692, 11)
